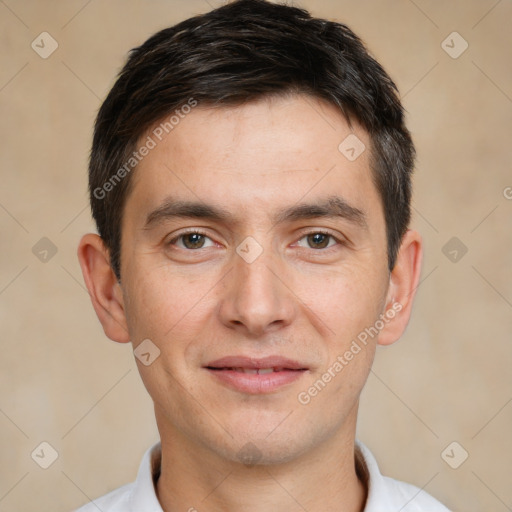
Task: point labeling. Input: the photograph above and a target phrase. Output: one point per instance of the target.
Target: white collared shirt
(384, 494)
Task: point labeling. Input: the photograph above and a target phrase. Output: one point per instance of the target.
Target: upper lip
(256, 363)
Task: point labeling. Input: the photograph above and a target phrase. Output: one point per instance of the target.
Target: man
(250, 180)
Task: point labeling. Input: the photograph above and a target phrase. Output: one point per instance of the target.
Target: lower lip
(254, 383)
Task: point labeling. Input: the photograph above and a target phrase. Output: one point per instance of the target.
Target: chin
(260, 442)
(262, 452)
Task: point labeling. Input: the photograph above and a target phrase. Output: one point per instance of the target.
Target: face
(253, 255)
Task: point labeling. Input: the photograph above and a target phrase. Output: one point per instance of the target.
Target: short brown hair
(243, 51)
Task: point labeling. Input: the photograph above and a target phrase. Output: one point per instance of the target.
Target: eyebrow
(186, 209)
(332, 207)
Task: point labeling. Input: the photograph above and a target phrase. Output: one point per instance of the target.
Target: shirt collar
(368, 470)
(143, 496)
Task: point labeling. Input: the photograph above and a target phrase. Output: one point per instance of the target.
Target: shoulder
(136, 496)
(114, 501)
(410, 498)
(386, 494)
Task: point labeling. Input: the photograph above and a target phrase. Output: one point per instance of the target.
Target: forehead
(270, 152)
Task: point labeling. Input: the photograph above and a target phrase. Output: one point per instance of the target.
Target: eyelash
(196, 231)
(321, 232)
(185, 233)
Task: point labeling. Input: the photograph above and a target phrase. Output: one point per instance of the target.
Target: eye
(319, 240)
(192, 240)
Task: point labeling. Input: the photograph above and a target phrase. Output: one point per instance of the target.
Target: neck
(194, 478)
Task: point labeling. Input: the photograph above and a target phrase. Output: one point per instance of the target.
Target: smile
(255, 376)
(259, 371)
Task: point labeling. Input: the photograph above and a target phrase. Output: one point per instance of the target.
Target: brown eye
(318, 240)
(193, 241)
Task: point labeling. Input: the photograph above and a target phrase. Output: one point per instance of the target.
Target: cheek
(163, 303)
(171, 310)
(345, 301)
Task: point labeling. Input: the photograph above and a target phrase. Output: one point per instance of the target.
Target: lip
(288, 371)
(256, 363)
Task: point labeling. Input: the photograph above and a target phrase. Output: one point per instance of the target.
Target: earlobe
(404, 280)
(103, 287)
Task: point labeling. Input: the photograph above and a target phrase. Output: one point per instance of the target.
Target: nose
(256, 300)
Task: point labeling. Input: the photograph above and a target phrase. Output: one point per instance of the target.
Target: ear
(104, 289)
(403, 282)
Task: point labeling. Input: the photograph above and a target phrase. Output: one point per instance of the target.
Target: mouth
(259, 371)
(256, 376)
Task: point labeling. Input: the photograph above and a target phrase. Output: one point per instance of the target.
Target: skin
(297, 299)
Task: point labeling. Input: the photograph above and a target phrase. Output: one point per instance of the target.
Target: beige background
(62, 381)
